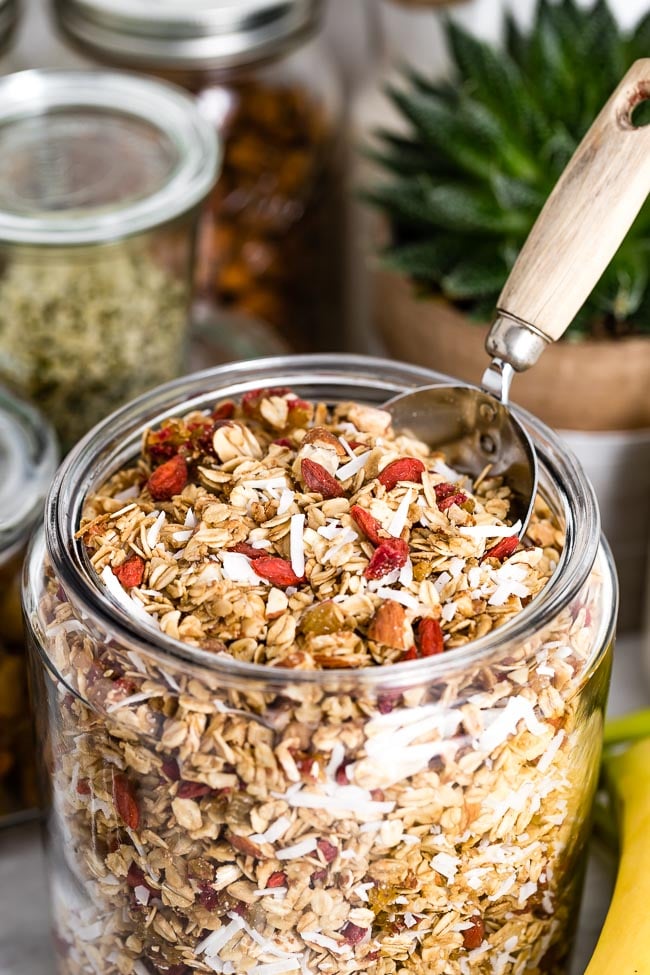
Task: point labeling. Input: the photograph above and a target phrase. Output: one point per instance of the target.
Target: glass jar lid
(28, 459)
(172, 33)
(94, 156)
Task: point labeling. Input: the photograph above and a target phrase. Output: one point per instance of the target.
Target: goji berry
(392, 554)
(320, 481)
(430, 637)
(283, 442)
(124, 800)
(352, 933)
(170, 769)
(131, 572)
(367, 523)
(224, 411)
(503, 549)
(277, 571)
(243, 548)
(168, 479)
(192, 790)
(473, 937)
(403, 469)
(327, 850)
(410, 654)
(447, 502)
(277, 879)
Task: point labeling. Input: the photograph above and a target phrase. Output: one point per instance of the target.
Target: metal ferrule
(514, 341)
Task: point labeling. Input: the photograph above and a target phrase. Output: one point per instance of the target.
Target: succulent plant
(481, 151)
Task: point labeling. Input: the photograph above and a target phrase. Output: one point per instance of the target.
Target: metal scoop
(573, 240)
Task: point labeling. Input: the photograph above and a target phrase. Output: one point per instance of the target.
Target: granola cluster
(202, 823)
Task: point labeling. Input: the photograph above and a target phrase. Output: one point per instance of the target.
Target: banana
(624, 944)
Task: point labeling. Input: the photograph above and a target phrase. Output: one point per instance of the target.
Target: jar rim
(208, 33)
(95, 457)
(28, 459)
(71, 96)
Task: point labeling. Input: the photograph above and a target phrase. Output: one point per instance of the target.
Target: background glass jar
(270, 245)
(198, 811)
(28, 459)
(8, 21)
(100, 177)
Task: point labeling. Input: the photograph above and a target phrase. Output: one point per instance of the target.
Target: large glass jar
(28, 459)
(270, 245)
(100, 177)
(198, 819)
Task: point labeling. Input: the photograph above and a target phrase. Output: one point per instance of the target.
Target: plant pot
(596, 393)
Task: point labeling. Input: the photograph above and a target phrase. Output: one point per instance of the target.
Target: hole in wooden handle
(635, 113)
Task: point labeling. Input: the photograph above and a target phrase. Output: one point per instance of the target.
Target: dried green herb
(82, 332)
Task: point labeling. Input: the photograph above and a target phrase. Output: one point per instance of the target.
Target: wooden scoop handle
(586, 216)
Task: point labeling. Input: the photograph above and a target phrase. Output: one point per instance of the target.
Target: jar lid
(93, 156)
(218, 33)
(28, 459)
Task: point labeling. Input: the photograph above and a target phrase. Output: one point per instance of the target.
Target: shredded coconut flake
(238, 568)
(297, 545)
(297, 850)
(491, 531)
(398, 520)
(154, 532)
(287, 498)
(353, 466)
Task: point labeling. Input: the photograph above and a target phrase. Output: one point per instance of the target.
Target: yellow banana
(624, 944)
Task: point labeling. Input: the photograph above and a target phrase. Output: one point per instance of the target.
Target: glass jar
(182, 833)
(270, 245)
(100, 177)
(28, 459)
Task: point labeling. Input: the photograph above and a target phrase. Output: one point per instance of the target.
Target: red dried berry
(404, 469)
(131, 572)
(410, 654)
(503, 549)
(243, 548)
(135, 877)
(223, 411)
(377, 795)
(192, 790)
(341, 774)
(446, 503)
(354, 444)
(320, 481)
(300, 412)
(318, 877)
(305, 765)
(387, 701)
(170, 769)
(251, 400)
(444, 490)
(277, 571)
(367, 523)
(168, 479)
(283, 442)
(392, 554)
(83, 787)
(208, 897)
(430, 637)
(277, 879)
(352, 933)
(124, 800)
(327, 850)
(473, 937)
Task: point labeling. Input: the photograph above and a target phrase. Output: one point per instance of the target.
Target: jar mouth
(176, 34)
(115, 441)
(91, 157)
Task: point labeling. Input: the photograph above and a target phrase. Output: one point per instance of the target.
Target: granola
(420, 822)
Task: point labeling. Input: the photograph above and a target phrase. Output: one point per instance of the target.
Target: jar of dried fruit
(298, 715)
(270, 245)
(28, 459)
(101, 174)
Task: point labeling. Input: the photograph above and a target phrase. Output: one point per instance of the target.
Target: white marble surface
(25, 947)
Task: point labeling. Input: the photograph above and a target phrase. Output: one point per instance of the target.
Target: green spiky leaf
(480, 152)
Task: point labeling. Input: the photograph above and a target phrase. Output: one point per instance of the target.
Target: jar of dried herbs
(270, 245)
(27, 462)
(101, 174)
